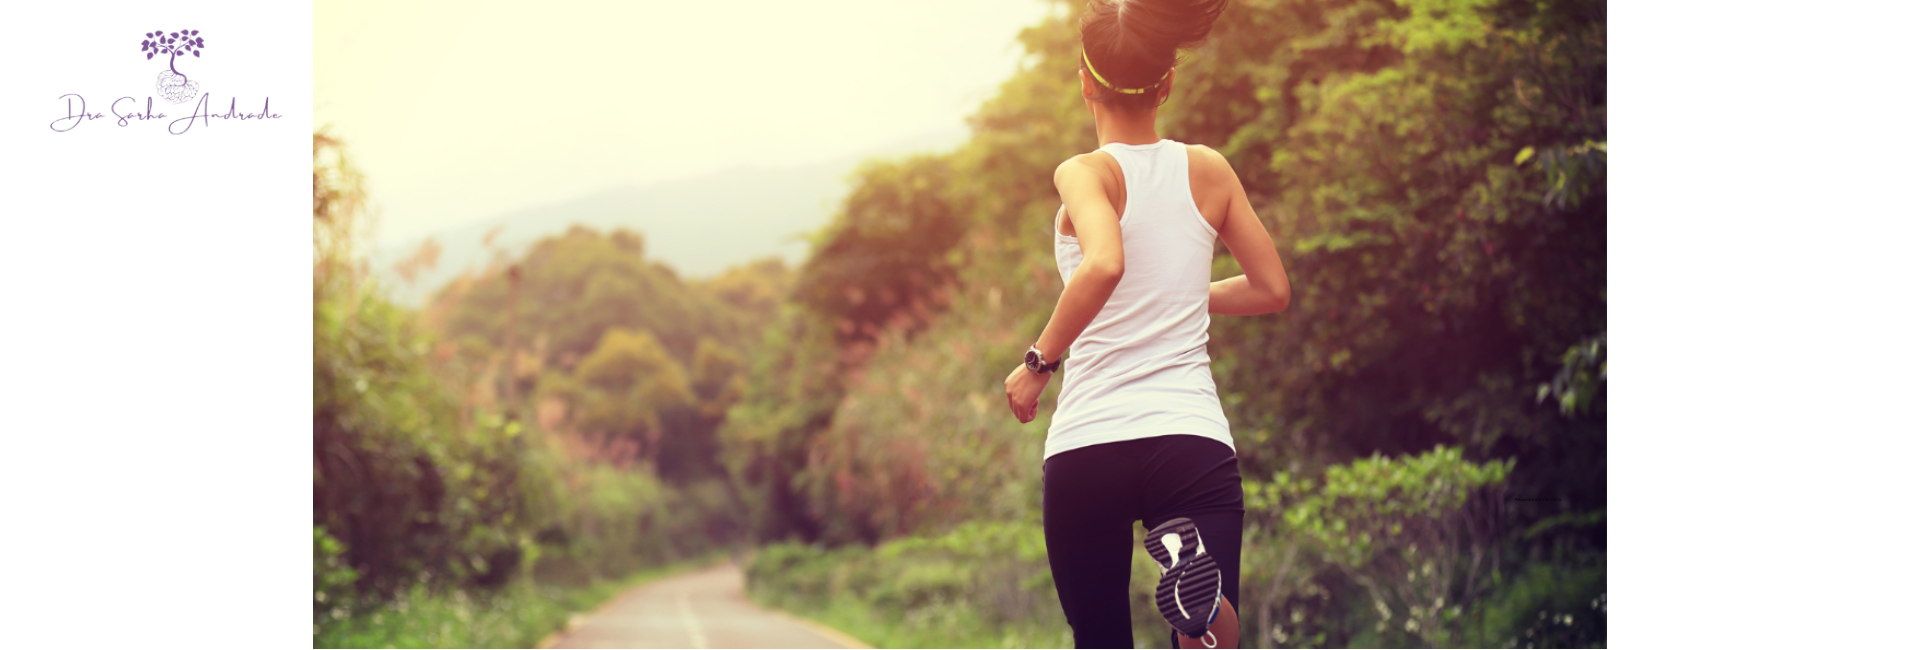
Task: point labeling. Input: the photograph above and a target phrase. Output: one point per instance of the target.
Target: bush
(1546, 605)
(1414, 536)
(980, 585)
(432, 502)
(332, 579)
(518, 616)
(411, 484)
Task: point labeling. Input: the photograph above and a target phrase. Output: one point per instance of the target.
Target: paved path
(704, 609)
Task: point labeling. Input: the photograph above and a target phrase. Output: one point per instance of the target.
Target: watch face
(1033, 360)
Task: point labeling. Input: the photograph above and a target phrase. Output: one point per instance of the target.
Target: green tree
(791, 391)
(575, 286)
(403, 488)
(559, 303)
(718, 378)
(884, 261)
(757, 288)
(630, 387)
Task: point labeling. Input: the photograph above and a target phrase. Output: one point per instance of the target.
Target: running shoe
(1189, 591)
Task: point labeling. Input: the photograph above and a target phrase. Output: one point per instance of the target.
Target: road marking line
(693, 624)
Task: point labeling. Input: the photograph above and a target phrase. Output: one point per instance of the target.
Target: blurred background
(602, 289)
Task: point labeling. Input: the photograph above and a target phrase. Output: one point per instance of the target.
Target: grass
(519, 616)
(980, 585)
(930, 627)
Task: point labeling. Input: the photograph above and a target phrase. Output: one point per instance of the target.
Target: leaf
(150, 55)
(196, 54)
(196, 32)
(1523, 155)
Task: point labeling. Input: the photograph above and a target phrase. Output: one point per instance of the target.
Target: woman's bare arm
(1103, 262)
(1263, 288)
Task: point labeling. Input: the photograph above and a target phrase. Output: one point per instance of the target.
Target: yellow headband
(1125, 91)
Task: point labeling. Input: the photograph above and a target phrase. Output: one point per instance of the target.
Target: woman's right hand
(1023, 392)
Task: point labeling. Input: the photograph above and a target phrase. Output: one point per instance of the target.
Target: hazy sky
(459, 110)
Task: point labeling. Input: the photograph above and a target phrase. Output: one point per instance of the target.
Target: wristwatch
(1036, 367)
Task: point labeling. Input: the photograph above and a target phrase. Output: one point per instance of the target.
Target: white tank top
(1141, 368)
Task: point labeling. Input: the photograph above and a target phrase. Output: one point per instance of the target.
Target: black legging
(1090, 498)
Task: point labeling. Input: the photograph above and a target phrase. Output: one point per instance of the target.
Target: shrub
(1546, 605)
(1417, 535)
(983, 584)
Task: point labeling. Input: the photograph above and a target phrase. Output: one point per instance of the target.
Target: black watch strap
(1034, 362)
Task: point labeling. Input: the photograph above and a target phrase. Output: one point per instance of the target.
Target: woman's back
(1133, 435)
(1140, 369)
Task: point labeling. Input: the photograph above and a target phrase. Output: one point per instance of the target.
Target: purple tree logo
(171, 84)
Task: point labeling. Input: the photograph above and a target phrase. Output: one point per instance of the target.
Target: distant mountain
(699, 226)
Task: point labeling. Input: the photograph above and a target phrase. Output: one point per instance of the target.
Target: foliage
(756, 288)
(630, 387)
(823, 467)
(397, 479)
(332, 579)
(1571, 171)
(609, 521)
(586, 336)
(519, 616)
(885, 259)
(441, 518)
(1432, 285)
(791, 391)
(1436, 280)
(922, 440)
(1583, 373)
(1418, 535)
(1547, 605)
(571, 288)
(514, 618)
(718, 378)
(980, 585)
(1434, 172)
(1411, 535)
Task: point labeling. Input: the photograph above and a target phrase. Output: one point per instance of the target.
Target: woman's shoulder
(1212, 181)
(1203, 160)
(1097, 159)
(1208, 171)
(1097, 162)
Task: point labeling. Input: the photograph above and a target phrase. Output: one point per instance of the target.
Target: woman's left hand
(1023, 392)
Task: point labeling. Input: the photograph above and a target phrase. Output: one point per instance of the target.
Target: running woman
(1139, 434)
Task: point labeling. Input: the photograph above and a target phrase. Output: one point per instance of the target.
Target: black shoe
(1189, 592)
